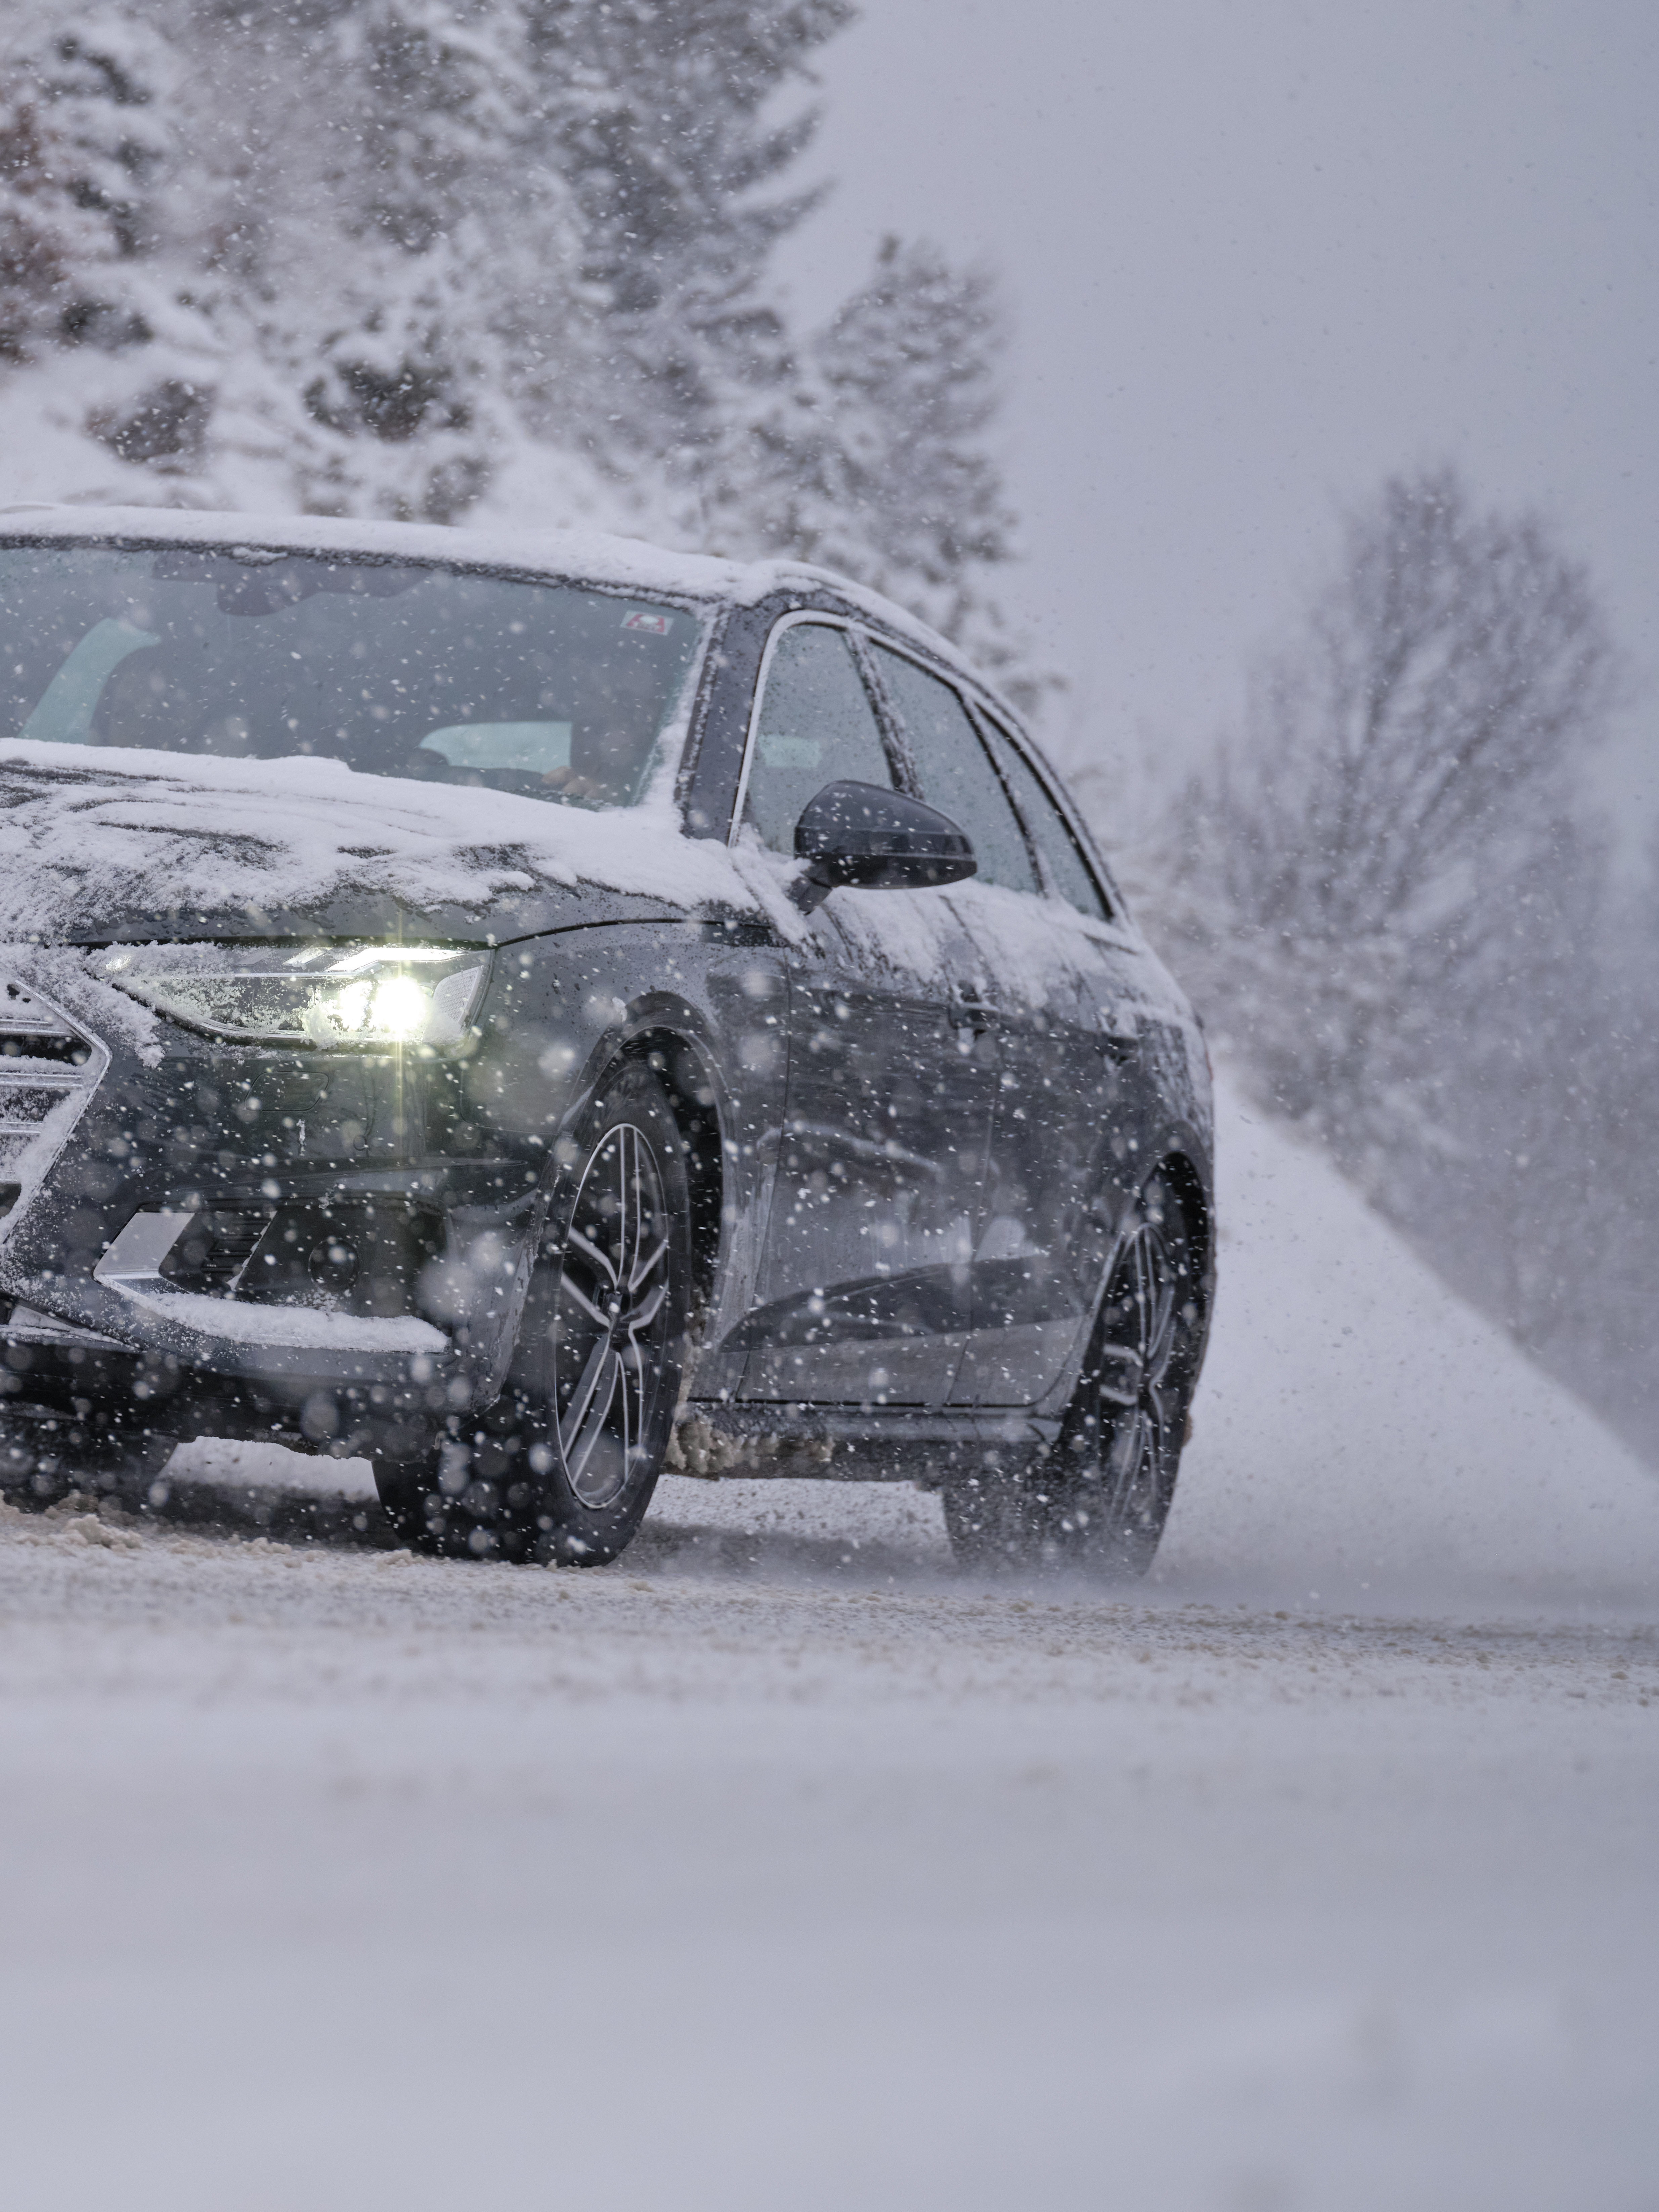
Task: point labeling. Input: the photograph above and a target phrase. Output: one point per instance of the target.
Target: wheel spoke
(584, 1302)
(1135, 1293)
(646, 1311)
(645, 1267)
(626, 1206)
(629, 1385)
(592, 1252)
(1126, 1460)
(601, 1407)
(581, 1398)
(1160, 1404)
(1146, 1295)
(1161, 1331)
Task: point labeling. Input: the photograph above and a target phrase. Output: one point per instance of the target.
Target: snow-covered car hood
(101, 842)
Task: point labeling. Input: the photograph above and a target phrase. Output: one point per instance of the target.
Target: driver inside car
(612, 743)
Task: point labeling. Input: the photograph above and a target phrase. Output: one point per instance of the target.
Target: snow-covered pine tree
(127, 264)
(76, 144)
(654, 113)
(274, 255)
(908, 496)
(390, 245)
(88, 146)
(421, 143)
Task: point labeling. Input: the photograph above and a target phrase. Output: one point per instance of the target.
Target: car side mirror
(866, 837)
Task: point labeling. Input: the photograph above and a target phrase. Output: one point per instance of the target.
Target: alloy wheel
(1141, 1404)
(613, 1315)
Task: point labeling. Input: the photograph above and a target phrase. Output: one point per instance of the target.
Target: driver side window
(816, 725)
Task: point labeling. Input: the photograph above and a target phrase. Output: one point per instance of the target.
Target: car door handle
(1118, 1043)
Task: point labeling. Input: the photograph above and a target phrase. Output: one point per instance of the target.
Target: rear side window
(816, 726)
(1068, 872)
(953, 773)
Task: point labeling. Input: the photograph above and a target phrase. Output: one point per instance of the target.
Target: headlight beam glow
(364, 999)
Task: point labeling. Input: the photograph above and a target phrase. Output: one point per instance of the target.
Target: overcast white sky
(1257, 257)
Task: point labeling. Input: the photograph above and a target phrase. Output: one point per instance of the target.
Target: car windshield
(551, 690)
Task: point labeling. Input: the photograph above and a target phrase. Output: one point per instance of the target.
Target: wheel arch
(1182, 1173)
(687, 1074)
(1176, 1163)
(1189, 1184)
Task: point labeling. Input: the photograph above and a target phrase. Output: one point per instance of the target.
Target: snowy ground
(780, 1867)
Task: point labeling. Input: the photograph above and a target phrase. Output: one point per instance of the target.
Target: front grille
(48, 1070)
(30, 1029)
(25, 1106)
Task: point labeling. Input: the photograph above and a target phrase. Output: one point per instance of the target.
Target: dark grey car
(533, 1010)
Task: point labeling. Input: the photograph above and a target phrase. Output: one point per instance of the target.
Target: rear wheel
(562, 1465)
(1099, 1499)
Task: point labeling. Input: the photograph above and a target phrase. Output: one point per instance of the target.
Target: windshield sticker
(652, 625)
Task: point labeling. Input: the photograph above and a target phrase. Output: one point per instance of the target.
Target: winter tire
(1099, 1499)
(562, 1466)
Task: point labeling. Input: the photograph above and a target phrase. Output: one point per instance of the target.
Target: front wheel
(562, 1466)
(1099, 1499)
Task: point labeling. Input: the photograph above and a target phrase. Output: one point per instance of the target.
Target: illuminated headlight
(361, 998)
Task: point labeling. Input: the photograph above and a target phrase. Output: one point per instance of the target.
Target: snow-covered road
(780, 1867)
(784, 1874)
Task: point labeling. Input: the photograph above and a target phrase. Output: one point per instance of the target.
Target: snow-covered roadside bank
(1364, 1438)
(340, 1879)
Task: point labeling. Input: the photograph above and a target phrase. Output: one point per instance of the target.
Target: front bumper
(173, 1274)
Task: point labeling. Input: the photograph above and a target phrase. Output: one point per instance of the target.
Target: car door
(1031, 1257)
(864, 1290)
(1071, 1113)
